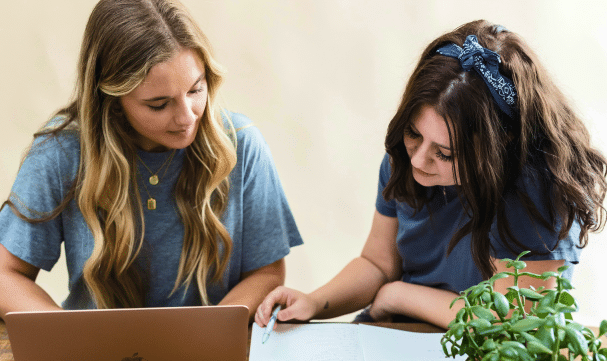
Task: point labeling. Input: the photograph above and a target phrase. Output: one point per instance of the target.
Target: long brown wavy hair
(123, 40)
(492, 149)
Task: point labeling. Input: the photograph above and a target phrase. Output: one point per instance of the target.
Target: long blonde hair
(122, 41)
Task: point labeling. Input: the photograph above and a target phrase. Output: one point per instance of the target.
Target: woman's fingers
(295, 304)
(264, 311)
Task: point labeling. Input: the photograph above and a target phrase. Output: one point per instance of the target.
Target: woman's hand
(299, 306)
(353, 288)
(383, 306)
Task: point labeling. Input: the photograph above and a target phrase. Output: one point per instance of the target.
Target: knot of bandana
(486, 63)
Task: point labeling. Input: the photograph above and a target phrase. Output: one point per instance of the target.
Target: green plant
(547, 332)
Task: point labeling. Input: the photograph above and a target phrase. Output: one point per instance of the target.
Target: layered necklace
(154, 179)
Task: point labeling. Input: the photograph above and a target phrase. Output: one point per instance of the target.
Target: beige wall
(321, 79)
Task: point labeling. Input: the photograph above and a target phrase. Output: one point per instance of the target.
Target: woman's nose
(185, 114)
(420, 156)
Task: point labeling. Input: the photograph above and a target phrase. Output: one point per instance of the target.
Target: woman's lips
(422, 173)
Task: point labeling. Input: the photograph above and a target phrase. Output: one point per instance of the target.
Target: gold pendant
(151, 203)
(154, 180)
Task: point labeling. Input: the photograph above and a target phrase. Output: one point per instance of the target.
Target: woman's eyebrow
(199, 79)
(435, 143)
(166, 97)
(442, 146)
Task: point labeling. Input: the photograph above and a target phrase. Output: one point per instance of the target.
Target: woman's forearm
(424, 303)
(350, 290)
(20, 293)
(255, 285)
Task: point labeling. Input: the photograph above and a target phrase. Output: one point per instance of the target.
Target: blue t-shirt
(257, 217)
(423, 238)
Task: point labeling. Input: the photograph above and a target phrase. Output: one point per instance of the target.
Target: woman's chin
(426, 181)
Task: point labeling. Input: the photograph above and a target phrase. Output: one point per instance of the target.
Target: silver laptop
(215, 333)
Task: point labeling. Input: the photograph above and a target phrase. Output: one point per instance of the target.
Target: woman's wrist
(319, 304)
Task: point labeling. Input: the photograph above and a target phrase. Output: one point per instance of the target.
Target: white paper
(313, 342)
(344, 341)
(385, 344)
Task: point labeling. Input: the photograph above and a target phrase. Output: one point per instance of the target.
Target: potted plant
(484, 330)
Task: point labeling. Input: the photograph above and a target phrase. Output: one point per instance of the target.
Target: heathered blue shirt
(422, 239)
(257, 217)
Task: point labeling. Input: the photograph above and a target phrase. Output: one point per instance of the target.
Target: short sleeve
(269, 229)
(386, 208)
(38, 189)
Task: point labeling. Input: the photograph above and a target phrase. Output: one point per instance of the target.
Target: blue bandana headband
(486, 64)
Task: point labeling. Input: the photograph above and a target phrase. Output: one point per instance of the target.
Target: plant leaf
(529, 294)
(479, 323)
(549, 274)
(527, 324)
(511, 295)
(577, 340)
(564, 309)
(561, 335)
(603, 328)
(576, 326)
(483, 313)
(508, 353)
(498, 276)
(548, 299)
(486, 297)
(502, 306)
(444, 344)
(537, 347)
(492, 356)
(489, 345)
(513, 344)
(545, 310)
(566, 298)
(477, 291)
(460, 314)
(546, 336)
(454, 349)
(513, 350)
(565, 283)
(519, 265)
(458, 331)
(490, 330)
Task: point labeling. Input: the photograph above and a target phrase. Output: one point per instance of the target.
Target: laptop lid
(136, 334)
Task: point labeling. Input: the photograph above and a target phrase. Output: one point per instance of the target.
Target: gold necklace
(151, 203)
(154, 176)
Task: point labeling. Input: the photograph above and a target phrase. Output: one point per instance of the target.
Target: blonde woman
(159, 196)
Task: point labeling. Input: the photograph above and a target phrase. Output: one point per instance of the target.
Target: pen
(270, 326)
